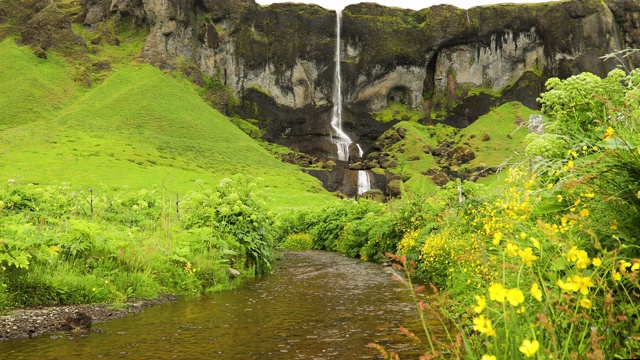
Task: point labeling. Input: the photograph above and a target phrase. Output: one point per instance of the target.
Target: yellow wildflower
(496, 238)
(515, 296)
(559, 198)
(584, 212)
(624, 265)
(536, 243)
(568, 286)
(583, 283)
(570, 164)
(512, 249)
(596, 261)
(527, 256)
(488, 357)
(483, 326)
(521, 310)
(529, 348)
(523, 235)
(616, 276)
(608, 133)
(585, 303)
(635, 267)
(536, 292)
(580, 257)
(482, 303)
(497, 292)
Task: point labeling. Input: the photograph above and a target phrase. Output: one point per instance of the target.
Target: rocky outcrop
(481, 56)
(50, 28)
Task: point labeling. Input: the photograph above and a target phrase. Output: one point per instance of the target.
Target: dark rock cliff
(452, 64)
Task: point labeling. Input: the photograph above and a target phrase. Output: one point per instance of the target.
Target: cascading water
(364, 183)
(339, 137)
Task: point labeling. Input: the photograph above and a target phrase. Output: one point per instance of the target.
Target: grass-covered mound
(423, 152)
(138, 128)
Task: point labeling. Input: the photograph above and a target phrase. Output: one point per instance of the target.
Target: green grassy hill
(138, 128)
(424, 150)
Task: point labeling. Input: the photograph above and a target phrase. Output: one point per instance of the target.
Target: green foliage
(55, 250)
(583, 102)
(297, 242)
(398, 112)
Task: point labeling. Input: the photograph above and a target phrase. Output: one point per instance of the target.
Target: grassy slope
(31, 89)
(506, 132)
(501, 124)
(138, 128)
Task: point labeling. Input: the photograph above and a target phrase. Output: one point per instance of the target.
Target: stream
(316, 305)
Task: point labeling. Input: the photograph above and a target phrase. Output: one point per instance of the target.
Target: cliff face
(451, 63)
(464, 62)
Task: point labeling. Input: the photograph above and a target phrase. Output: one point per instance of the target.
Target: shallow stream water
(316, 305)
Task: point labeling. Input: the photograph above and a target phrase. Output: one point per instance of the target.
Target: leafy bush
(63, 246)
(297, 242)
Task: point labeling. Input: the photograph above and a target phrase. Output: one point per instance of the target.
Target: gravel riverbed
(27, 323)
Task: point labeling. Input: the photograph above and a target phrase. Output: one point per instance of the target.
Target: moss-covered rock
(51, 28)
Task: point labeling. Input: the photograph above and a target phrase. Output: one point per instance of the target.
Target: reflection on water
(316, 305)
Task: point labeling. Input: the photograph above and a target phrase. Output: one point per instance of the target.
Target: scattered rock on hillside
(463, 154)
(440, 179)
(394, 188)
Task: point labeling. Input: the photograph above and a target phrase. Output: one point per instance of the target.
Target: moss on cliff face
(283, 34)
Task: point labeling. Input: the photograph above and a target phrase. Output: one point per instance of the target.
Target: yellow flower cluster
(483, 326)
(408, 242)
(576, 283)
(497, 292)
(452, 251)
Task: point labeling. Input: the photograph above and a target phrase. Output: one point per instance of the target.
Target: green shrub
(297, 242)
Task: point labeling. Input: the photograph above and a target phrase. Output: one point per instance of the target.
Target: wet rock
(233, 272)
(485, 137)
(402, 132)
(77, 322)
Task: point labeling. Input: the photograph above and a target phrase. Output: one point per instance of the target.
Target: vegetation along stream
(316, 305)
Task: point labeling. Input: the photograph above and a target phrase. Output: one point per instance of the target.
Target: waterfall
(364, 182)
(339, 138)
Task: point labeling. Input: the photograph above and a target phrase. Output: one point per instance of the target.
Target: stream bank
(28, 323)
